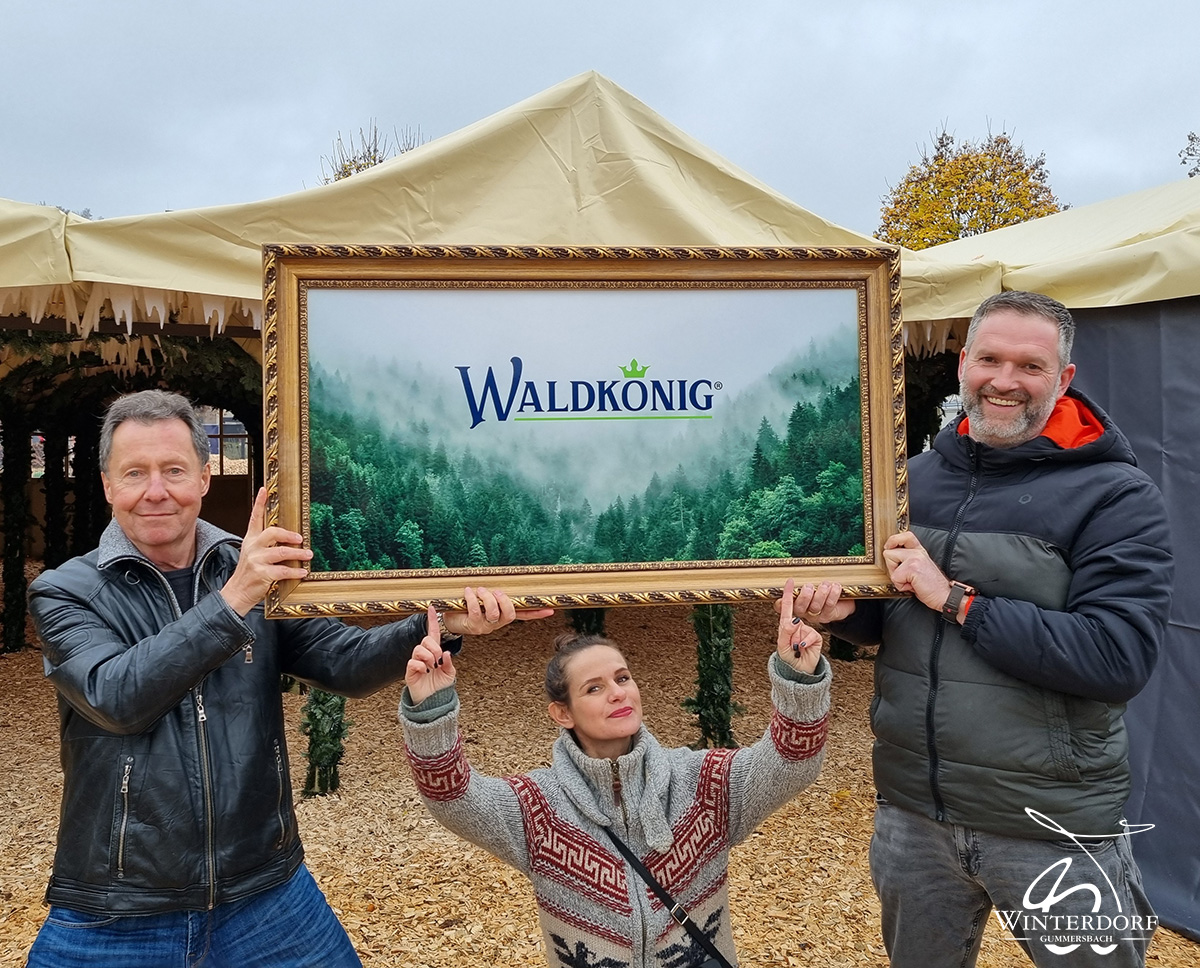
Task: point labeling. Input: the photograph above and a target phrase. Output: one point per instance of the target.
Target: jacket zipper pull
(125, 778)
(248, 649)
(618, 792)
(201, 715)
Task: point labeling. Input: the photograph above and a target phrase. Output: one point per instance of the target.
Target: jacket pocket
(121, 815)
(1058, 726)
(281, 801)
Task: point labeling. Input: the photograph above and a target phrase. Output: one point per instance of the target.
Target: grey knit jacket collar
(645, 774)
(115, 544)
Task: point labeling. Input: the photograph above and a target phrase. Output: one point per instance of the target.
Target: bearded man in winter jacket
(177, 841)
(1040, 577)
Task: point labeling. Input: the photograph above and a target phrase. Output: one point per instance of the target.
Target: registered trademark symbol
(717, 385)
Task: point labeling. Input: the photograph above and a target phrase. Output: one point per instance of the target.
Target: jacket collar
(1095, 439)
(645, 777)
(115, 545)
(1072, 423)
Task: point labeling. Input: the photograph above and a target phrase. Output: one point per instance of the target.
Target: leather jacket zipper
(248, 648)
(279, 800)
(206, 783)
(124, 816)
(201, 737)
(210, 850)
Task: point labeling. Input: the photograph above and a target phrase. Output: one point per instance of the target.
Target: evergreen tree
(350, 530)
(768, 441)
(762, 474)
(477, 556)
(410, 545)
(458, 552)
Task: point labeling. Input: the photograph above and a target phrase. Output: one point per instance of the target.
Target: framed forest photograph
(581, 426)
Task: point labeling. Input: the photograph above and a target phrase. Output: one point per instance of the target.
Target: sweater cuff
(801, 702)
(793, 675)
(430, 708)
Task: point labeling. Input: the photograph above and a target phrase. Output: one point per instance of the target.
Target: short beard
(1012, 433)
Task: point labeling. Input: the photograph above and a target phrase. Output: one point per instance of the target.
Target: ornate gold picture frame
(581, 426)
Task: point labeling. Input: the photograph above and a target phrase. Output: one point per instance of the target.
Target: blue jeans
(1068, 904)
(290, 926)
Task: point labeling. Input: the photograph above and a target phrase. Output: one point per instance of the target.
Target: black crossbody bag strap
(677, 911)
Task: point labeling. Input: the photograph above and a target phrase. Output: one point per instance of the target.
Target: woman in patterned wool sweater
(679, 810)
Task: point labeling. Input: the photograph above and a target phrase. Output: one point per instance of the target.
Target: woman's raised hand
(799, 644)
(430, 668)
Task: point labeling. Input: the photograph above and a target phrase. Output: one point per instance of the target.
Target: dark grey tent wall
(1142, 364)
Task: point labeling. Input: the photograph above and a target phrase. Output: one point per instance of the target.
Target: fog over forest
(419, 407)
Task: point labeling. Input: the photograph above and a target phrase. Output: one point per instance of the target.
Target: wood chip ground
(412, 894)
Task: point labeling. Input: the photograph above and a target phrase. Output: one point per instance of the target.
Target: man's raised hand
(488, 610)
(263, 560)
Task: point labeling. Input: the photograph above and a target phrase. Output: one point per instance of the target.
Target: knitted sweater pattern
(679, 810)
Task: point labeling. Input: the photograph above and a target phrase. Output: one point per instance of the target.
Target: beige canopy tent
(1142, 247)
(581, 163)
(34, 268)
(41, 291)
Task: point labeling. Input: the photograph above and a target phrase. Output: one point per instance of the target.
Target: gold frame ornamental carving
(317, 296)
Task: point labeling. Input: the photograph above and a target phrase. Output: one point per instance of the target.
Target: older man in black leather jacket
(178, 840)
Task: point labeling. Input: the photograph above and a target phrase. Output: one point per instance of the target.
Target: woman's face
(603, 706)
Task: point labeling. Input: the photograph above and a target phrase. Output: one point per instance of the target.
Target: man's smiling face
(155, 482)
(1010, 378)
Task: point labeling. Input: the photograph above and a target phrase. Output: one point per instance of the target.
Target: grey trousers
(1067, 905)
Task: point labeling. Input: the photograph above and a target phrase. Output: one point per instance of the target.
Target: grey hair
(150, 406)
(1030, 304)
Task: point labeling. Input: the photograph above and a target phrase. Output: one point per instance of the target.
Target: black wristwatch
(958, 591)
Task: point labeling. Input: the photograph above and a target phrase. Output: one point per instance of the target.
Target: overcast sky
(126, 106)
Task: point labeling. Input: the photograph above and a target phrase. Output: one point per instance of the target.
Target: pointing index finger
(785, 609)
(258, 514)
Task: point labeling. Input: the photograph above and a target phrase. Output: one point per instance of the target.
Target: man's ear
(1064, 378)
(560, 713)
(107, 487)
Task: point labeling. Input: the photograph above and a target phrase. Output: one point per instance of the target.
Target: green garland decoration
(713, 703)
(323, 721)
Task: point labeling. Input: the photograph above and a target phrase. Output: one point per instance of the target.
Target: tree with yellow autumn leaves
(958, 190)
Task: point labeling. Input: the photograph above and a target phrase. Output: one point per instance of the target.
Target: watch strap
(957, 592)
(450, 642)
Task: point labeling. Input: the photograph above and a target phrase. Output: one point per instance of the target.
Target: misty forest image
(488, 467)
